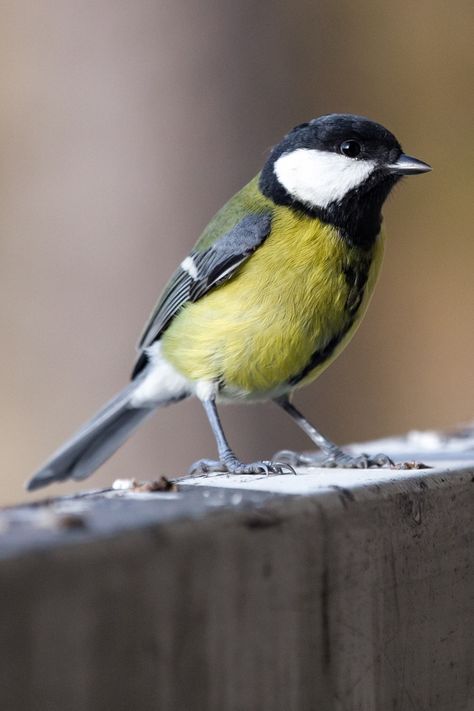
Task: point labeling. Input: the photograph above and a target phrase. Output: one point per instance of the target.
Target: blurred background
(124, 126)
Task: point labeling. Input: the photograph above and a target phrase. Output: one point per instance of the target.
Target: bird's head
(340, 167)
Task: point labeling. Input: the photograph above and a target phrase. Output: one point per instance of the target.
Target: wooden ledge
(329, 590)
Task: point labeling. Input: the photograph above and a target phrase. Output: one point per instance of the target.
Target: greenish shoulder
(247, 201)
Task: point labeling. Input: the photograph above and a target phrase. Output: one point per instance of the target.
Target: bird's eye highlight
(351, 149)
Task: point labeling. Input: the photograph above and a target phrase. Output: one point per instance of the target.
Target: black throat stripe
(357, 216)
(321, 354)
(356, 279)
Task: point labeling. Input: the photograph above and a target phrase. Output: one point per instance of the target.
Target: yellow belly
(259, 330)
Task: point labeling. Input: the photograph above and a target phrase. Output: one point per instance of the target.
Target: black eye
(351, 149)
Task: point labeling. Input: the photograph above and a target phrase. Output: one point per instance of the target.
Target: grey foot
(234, 466)
(338, 459)
(361, 461)
(206, 466)
(298, 459)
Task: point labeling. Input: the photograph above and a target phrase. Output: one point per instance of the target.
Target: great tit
(272, 292)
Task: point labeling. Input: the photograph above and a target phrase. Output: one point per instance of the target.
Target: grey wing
(204, 269)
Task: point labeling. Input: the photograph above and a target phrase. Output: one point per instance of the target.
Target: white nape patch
(206, 389)
(188, 266)
(162, 382)
(318, 178)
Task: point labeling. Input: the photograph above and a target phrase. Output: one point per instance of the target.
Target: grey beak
(407, 165)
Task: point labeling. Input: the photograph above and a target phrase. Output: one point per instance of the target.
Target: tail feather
(95, 442)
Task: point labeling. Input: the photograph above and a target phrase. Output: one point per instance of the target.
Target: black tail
(94, 443)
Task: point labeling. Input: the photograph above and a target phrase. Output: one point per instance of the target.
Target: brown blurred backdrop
(124, 126)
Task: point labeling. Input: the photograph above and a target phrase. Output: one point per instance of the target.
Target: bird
(273, 290)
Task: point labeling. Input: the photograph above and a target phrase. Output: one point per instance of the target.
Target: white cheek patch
(318, 178)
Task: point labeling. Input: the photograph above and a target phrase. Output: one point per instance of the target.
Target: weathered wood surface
(328, 591)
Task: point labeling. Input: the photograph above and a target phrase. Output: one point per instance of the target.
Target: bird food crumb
(161, 484)
(411, 465)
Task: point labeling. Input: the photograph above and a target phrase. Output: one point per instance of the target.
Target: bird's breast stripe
(356, 279)
(321, 355)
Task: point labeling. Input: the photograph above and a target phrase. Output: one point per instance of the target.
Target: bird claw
(274, 467)
(360, 461)
(206, 466)
(297, 459)
(234, 466)
(337, 460)
(265, 466)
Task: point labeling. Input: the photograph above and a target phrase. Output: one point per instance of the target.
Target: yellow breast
(295, 297)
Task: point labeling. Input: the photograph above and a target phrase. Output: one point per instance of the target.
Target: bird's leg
(335, 457)
(228, 462)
